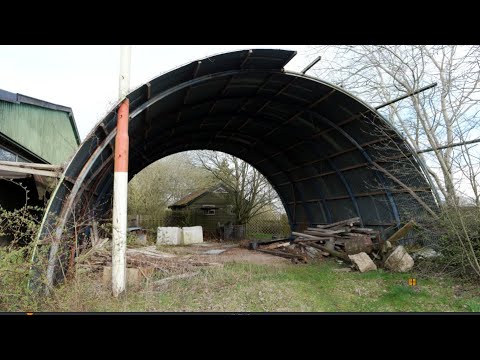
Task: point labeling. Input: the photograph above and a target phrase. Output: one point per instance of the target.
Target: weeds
(246, 288)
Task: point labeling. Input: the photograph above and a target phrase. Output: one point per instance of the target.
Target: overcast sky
(85, 78)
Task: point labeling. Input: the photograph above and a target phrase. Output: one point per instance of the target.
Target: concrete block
(169, 236)
(426, 253)
(399, 260)
(134, 276)
(192, 235)
(214, 252)
(141, 238)
(363, 262)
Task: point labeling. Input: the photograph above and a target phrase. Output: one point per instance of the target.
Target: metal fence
(258, 228)
(261, 228)
(146, 221)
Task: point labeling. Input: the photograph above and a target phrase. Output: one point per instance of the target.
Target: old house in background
(210, 208)
(36, 138)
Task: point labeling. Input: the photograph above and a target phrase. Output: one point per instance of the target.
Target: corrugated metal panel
(310, 138)
(47, 133)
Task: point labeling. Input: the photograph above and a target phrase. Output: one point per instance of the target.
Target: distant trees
(164, 182)
(444, 115)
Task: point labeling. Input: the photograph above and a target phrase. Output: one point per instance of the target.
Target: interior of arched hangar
(328, 155)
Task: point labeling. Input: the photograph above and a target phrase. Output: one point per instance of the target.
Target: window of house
(208, 211)
(7, 155)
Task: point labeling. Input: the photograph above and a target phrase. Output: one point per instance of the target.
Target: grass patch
(239, 287)
(260, 236)
(472, 305)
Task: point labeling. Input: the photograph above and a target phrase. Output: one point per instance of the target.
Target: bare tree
(164, 182)
(446, 115)
(251, 193)
(437, 120)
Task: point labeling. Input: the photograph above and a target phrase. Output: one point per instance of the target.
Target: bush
(14, 277)
(456, 235)
(21, 225)
(178, 218)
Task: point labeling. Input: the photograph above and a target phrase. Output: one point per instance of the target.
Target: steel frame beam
(74, 192)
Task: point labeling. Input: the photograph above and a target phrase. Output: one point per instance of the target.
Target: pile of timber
(147, 257)
(282, 248)
(353, 244)
(339, 239)
(346, 240)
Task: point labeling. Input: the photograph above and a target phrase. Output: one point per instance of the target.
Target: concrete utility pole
(124, 79)
(120, 180)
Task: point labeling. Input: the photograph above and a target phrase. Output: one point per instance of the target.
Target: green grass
(262, 288)
(260, 236)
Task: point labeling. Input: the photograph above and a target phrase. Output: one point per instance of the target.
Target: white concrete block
(399, 260)
(363, 262)
(192, 235)
(169, 236)
(133, 275)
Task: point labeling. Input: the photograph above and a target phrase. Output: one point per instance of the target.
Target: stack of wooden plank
(340, 239)
(279, 247)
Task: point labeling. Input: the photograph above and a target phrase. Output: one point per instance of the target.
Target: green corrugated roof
(48, 130)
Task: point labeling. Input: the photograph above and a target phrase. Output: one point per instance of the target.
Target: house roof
(24, 99)
(188, 199)
(37, 130)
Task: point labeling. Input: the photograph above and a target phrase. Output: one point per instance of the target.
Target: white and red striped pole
(120, 180)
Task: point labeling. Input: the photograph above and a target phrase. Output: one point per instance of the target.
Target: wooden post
(401, 232)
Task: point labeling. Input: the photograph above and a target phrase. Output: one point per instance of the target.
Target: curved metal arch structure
(329, 155)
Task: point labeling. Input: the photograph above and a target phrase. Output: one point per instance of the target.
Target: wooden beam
(401, 232)
(311, 237)
(282, 254)
(32, 165)
(346, 222)
(332, 252)
(31, 171)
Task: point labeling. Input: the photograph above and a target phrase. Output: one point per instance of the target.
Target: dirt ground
(207, 252)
